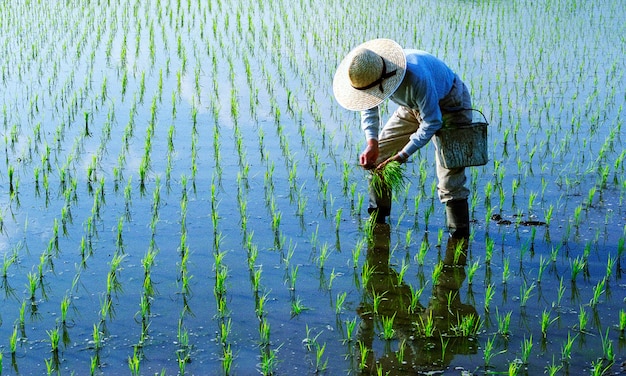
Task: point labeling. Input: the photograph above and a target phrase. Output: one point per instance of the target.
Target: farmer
(428, 93)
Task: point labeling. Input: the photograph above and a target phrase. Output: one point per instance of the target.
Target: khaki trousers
(403, 123)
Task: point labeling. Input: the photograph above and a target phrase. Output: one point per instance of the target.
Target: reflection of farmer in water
(444, 312)
(429, 94)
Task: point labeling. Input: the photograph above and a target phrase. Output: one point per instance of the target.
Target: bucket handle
(469, 109)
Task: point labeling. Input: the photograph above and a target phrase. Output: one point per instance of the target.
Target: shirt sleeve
(370, 122)
(427, 102)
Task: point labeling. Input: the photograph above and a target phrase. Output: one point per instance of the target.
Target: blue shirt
(427, 80)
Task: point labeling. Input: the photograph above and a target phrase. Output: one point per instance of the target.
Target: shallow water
(273, 145)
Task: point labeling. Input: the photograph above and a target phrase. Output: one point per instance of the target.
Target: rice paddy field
(180, 192)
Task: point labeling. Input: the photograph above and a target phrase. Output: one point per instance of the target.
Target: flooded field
(181, 193)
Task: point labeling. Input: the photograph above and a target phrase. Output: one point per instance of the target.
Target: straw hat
(369, 74)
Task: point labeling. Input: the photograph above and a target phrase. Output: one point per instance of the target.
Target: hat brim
(359, 100)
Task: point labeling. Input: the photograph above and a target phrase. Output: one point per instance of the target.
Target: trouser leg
(393, 137)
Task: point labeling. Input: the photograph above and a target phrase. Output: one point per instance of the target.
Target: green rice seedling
(577, 265)
(553, 368)
(402, 272)
(134, 363)
(225, 329)
(350, 326)
(598, 368)
(548, 214)
(607, 347)
(488, 351)
(96, 338)
(338, 219)
(269, 362)
(391, 176)
(227, 359)
(297, 307)
(598, 290)
(323, 256)
(489, 246)
(13, 340)
(504, 323)
(356, 252)
(341, 298)
(514, 368)
(264, 332)
(546, 321)
(622, 320)
(366, 273)
(583, 319)
(527, 346)
(293, 276)
(566, 348)
(333, 275)
(610, 264)
(260, 304)
(543, 263)
(320, 364)
(50, 366)
(33, 283)
(525, 292)
(401, 351)
(377, 299)
(467, 326)
(560, 292)
(437, 273)
(363, 355)
(256, 279)
(407, 238)
(65, 304)
(388, 330)
(427, 328)
(415, 298)
(420, 256)
(506, 271)
(489, 294)
(471, 271)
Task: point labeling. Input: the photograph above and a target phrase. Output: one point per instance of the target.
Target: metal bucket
(462, 145)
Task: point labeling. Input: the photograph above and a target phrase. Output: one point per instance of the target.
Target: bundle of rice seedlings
(390, 177)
